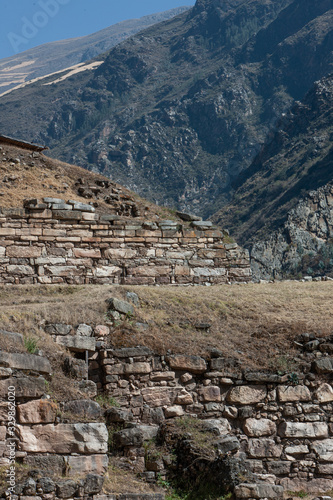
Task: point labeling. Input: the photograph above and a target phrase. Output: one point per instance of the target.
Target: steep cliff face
(297, 158)
(178, 111)
(303, 245)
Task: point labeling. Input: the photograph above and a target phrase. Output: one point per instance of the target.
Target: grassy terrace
(254, 323)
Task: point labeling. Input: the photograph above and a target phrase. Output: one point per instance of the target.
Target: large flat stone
(247, 394)
(25, 387)
(193, 364)
(303, 430)
(25, 362)
(131, 352)
(324, 449)
(258, 491)
(64, 438)
(77, 343)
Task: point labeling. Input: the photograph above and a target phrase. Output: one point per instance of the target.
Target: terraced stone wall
(66, 242)
(279, 426)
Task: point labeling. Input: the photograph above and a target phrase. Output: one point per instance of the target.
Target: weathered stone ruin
(54, 241)
(269, 433)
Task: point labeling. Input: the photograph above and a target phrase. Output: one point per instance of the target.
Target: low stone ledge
(77, 343)
(25, 362)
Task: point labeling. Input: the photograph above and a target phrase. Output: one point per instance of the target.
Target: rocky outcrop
(303, 246)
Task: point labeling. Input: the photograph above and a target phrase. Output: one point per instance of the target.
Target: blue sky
(27, 23)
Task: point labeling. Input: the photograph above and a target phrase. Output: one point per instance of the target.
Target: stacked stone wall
(57, 242)
(279, 426)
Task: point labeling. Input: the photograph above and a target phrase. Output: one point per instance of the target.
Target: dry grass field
(254, 323)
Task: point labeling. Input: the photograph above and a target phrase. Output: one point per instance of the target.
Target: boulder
(137, 368)
(11, 338)
(323, 365)
(210, 393)
(173, 411)
(46, 484)
(219, 426)
(227, 444)
(84, 330)
(47, 463)
(58, 328)
(121, 306)
(160, 396)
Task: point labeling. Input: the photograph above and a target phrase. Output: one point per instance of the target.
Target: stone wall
(279, 426)
(67, 242)
(70, 457)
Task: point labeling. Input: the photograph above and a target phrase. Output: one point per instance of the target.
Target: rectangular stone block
(77, 343)
(92, 464)
(160, 396)
(193, 364)
(303, 430)
(293, 393)
(25, 362)
(63, 438)
(23, 251)
(20, 270)
(89, 253)
(264, 448)
(27, 387)
(137, 368)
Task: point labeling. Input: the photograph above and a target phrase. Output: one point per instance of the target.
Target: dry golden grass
(53, 178)
(118, 480)
(254, 323)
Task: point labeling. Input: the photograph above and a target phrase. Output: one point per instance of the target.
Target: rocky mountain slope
(296, 159)
(57, 56)
(180, 110)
